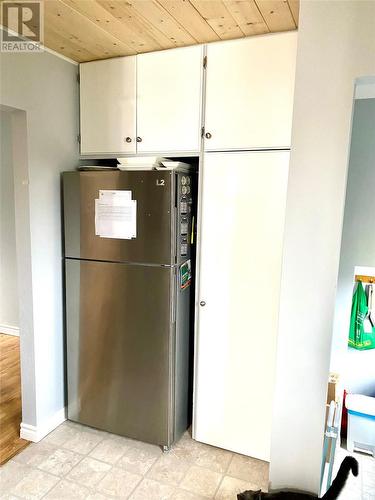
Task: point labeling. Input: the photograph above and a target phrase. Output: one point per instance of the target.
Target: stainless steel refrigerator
(128, 305)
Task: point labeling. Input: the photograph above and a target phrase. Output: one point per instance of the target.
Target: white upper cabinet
(249, 93)
(108, 106)
(169, 87)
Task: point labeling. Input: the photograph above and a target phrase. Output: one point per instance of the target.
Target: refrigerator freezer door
(155, 240)
(119, 344)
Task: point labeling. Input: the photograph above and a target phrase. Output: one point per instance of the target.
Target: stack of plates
(140, 163)
(172, 164)
(96, 167)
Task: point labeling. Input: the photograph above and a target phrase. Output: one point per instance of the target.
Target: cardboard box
(332, 392)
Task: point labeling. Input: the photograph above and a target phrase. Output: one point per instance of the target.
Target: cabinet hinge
(205, 62)
(202, 132)
(79, 138)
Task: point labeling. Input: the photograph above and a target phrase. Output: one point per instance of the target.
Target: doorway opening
(10, 339)
(351, 389)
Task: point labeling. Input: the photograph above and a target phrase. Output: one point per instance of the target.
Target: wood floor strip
(10, 398)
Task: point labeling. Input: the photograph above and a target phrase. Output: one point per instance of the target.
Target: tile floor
(76, 462)
(361, 487)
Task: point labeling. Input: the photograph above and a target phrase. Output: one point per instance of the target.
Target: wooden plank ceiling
(85, 30)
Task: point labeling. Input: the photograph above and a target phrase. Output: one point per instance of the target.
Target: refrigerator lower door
(119, 348)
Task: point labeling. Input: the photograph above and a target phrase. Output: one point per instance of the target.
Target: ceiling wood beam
(215, 13)
(276, 14)
(294, 8)
(186, 14)
(247, 16)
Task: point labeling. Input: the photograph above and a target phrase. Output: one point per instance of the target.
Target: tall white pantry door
(241, 234)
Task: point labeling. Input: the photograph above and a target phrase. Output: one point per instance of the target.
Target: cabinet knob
(202, 303)
(208, 135)
(139, 139)
(128, 139)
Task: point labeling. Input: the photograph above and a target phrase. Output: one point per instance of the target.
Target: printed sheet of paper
(114, 196)
(115, 215)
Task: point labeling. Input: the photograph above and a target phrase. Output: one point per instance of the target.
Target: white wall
(358, 245)
(336, 44)
(8, 263)
(45, 87)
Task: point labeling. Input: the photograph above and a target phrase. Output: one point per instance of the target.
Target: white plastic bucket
(361, 422)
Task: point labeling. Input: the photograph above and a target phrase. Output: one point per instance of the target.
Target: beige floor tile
(80, 427)
(35, 453)
(249, 469)
(138, 460)
(89, 472)
(60, 462)
(110, 450)
(186, 495)
(141, 445)
(368, 465)
(351, 495)
(169, 469)
(66, 490)
(214, 459)
(230, 487)
(10, 474)
(152, 490)
(35, 484)
(368, 479)
(97, 496)
(201, 481)
(83, 441)
(60, 436)
(119, 483)
(368, 496)
(202, 454)
(188, 449)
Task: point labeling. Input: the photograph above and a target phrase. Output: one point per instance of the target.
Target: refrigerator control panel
(185, 208)
(184, 226)
(184, 247)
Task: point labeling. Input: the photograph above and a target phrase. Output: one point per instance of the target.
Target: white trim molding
(36, 433)
(10, 330)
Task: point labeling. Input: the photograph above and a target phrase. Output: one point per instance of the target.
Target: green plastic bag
(358, 338)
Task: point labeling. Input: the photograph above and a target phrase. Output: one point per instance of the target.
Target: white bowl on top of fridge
(140, 162)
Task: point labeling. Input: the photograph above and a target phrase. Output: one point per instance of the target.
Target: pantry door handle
(139, 139)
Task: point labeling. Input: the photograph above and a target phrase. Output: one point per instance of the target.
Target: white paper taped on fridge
(114, 196)
(115, 215)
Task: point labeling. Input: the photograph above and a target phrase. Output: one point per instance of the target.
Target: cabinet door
(249, 94)
(240, 238)
(108, 94)
(169, 100)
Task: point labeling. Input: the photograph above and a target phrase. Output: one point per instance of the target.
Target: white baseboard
(10, 330)
(36, 433)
